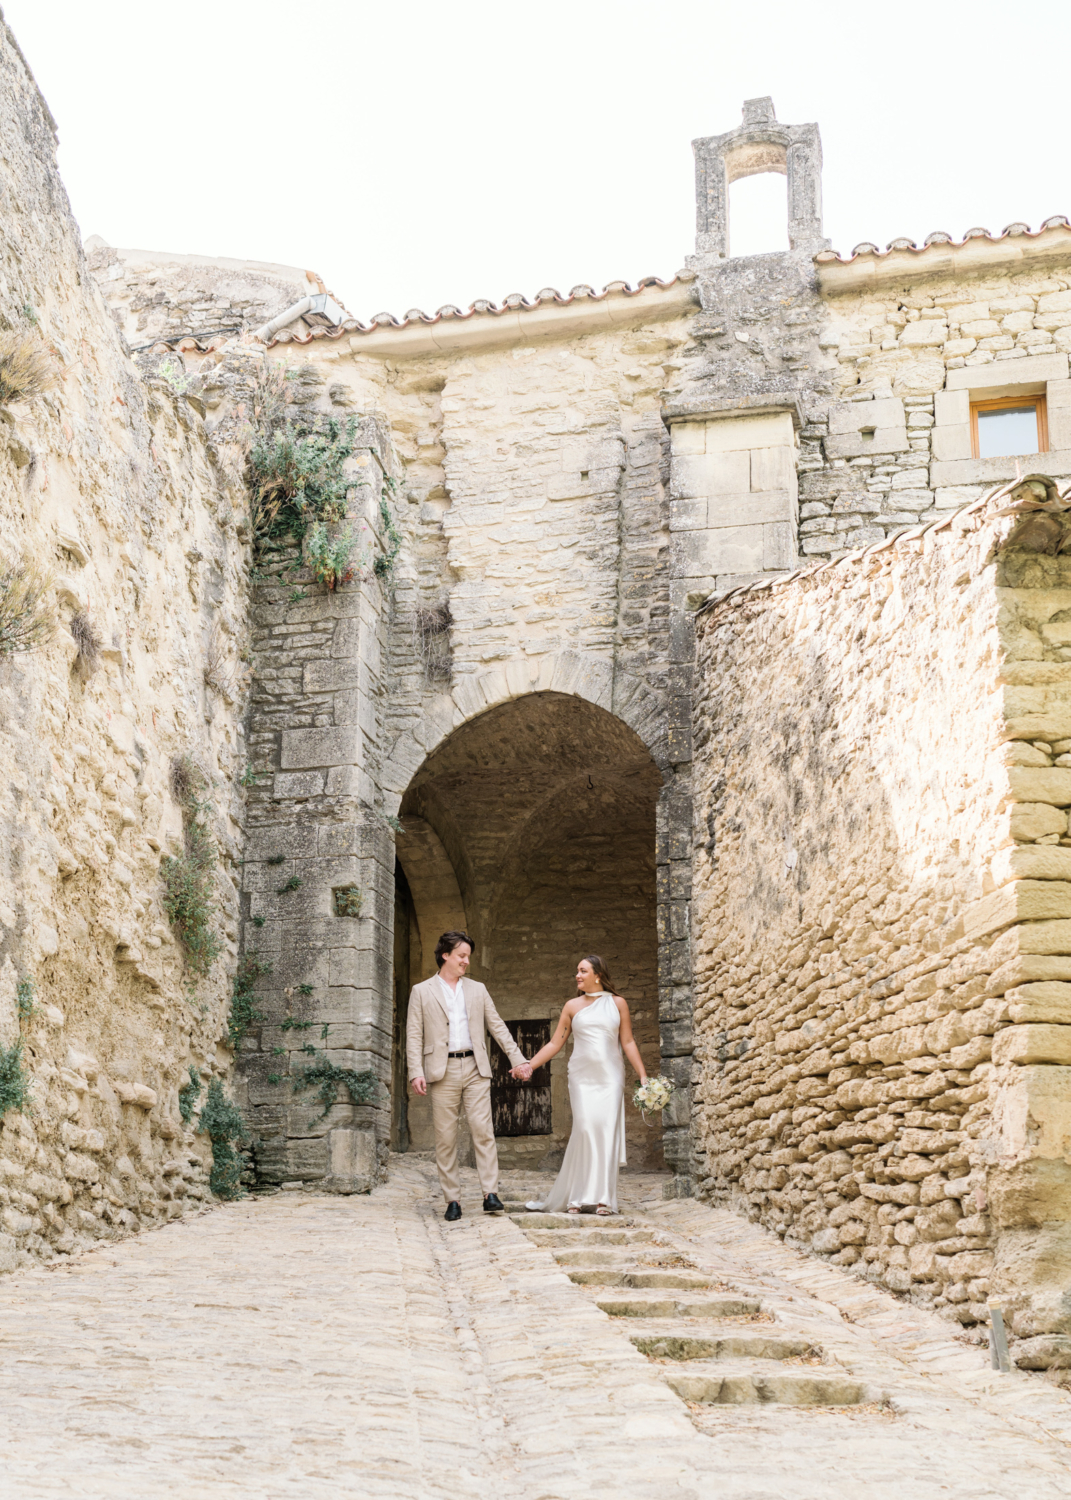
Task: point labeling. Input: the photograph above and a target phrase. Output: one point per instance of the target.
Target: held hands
(522, 1072)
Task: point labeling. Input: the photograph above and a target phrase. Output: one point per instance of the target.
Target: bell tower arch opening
(533, 826)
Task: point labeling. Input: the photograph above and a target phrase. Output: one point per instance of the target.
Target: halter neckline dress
(596, 1147)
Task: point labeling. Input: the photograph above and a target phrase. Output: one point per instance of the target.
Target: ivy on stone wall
(244, 1013)
(189, 1094)
(222, 1122)
(325, 1076)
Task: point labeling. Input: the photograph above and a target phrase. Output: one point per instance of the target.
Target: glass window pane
(1010, 430)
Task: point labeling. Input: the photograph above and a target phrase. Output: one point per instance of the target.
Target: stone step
(751, 1384)
(638, 1306)
(620, 1257)
(743, 1345)
(556, 1239)
(654, 1279)
(568, 1221)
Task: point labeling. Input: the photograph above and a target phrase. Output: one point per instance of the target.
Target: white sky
(421, 153)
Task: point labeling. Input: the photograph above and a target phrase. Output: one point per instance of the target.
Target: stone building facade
(809, 852)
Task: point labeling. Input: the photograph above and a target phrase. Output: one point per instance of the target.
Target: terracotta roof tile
(939, 237)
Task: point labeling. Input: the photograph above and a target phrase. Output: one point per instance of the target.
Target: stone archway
(592, 678)
(544, 809)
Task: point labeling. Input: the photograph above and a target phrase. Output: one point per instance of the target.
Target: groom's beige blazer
(427, 1029)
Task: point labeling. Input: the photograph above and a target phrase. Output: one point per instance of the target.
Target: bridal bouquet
(653, 1095)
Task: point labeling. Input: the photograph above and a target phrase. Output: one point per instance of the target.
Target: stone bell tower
(759, 144)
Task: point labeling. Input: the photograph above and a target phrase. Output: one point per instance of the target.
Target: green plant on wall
(222, 1122)
(383, 567)
(330, 558)
(297, 472)
(243, 1012)
(26, 997)
(348, 901)
(325, 1077)
(14, 1079)
(189, 889)
(189, 1094)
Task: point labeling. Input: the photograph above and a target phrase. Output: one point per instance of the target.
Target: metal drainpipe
(289, 316)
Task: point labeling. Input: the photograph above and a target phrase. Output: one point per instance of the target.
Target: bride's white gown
(597, 1094)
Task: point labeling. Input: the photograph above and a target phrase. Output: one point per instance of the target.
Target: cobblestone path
(305, 1346)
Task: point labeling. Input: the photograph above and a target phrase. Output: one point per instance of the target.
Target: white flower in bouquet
(653, 1095)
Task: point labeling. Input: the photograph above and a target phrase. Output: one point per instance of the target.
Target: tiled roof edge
(939, 237)
(515, 302)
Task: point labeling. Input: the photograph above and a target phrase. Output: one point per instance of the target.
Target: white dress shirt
(457, 1010)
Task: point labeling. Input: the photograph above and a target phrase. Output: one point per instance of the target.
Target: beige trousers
(462, 1085)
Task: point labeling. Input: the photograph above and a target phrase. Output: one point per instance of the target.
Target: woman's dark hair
(448, 942)
(600, 971)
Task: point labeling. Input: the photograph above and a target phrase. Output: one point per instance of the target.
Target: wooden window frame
(1004, 403)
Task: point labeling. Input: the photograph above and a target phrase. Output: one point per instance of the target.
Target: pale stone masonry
(498, 722)
(882, 996)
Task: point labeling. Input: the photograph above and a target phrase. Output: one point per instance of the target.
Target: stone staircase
(719, 1344)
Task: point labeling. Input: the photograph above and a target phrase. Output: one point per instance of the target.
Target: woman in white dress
(601, 1028)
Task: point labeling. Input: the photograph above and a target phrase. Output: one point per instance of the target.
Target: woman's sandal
(603, 1212)
(572, 1210)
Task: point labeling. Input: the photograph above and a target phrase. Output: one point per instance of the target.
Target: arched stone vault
(592, 678)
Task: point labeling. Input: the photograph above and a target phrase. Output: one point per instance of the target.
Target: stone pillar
(733, 500)
(318, 902)
(675, 1001)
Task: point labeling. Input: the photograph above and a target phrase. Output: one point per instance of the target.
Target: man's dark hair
(448, 942)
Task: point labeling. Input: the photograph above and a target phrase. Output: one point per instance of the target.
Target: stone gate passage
(532, 827)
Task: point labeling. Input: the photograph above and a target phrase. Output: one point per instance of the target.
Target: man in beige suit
(446, 1048)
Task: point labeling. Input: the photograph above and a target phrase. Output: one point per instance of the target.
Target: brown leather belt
(460, 1054)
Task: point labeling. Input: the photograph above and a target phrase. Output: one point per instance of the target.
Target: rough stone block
(729, 549)
(1033, 1044)
(952, 408)
(331, 676)
(1035, 820)
(992, 378)
(749, 510)
(1046, 1001)
(773, 469)
(319, 747)
(952, 441)
(693, 476)
(351, 1161)
(767, 430)
(297, 784)
(1036, 784)
(1020, 901)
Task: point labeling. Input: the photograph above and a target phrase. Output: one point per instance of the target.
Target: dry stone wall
(108, 486)
(882, 1006)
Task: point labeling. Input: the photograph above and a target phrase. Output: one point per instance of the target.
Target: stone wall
(882, 1003)
(915, 334)
(109, 485)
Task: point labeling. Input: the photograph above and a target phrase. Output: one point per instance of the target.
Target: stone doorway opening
(532, 827)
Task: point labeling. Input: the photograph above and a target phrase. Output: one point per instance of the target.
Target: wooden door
(521, 1108)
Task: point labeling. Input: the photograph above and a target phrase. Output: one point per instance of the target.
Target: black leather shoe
(493, 1204)
(453, 1212)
